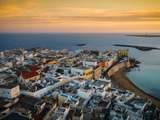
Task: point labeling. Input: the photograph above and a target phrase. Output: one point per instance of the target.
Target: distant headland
(142, 48)
(144, 35)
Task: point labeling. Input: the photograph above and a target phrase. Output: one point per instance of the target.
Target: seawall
(117, 67)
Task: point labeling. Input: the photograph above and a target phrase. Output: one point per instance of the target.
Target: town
(44, 84)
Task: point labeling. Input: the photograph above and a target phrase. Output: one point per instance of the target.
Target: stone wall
(117, 67)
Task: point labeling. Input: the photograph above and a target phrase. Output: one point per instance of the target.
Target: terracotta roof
(29, 74)
(26, 74)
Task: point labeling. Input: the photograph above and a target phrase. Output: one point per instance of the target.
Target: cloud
(33, 15)
(108, 16)
(22, 12)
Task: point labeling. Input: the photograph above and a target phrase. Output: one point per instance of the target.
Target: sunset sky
(80, 16)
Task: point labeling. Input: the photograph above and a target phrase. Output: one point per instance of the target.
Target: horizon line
(79, 32)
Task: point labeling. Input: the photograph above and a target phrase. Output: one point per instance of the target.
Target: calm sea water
(147, 78)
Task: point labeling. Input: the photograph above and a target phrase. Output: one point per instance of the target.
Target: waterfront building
(122, 53)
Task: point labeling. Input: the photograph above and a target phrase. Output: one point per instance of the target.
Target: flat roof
(10, 86)
(29, 100)
(15, 116)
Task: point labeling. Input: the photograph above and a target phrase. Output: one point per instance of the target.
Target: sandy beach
(120, 79)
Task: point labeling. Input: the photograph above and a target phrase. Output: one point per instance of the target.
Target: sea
(146, 77)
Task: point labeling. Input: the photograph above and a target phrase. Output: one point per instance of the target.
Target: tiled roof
(26, 74)
(29, 74)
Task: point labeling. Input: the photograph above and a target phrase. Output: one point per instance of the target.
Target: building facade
(9, 92)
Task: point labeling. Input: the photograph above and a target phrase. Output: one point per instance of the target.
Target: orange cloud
(122, 16)
(38, 15)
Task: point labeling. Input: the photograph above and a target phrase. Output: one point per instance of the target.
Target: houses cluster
(44, 84)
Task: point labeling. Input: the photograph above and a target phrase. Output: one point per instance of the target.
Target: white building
(77, 71)
(90, 63)
(9, 92)
(83, 93)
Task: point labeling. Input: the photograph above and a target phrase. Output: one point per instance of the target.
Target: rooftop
(10, 86)
(15, 116)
